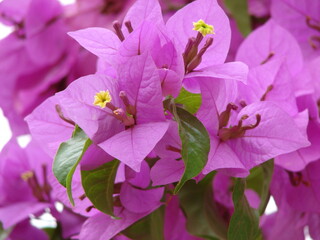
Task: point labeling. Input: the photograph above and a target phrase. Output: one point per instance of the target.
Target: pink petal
(77, 103)
(17, 212)
(223, 158)
(102, 226)
(276, 134)
(139, 78)
(166, 171)
(139, 201)
(271, 38)
(47, 127)
(142, 10)
(100, 41)
(230, 71)
(180, 29)
(140, 179)
(216, 95)
(134, 144)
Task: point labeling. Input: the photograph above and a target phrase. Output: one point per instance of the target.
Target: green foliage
(149, 227)
(157, 224)
(68, 157)
(267, 169)
(4, 233)
(98, 185)
(190, 101)
(239, 11)
(202, 212)
(259, 180)
(55, 233)
(244, 223)
(195, 142)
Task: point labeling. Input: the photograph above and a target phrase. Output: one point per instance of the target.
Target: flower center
(314, 24)
(118, 30)
(191, 56)
(226, 133)
(41, 192)
(296, 178)
(103, 99)
(203, 28)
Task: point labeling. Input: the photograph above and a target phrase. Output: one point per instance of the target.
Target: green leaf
(98, 185)
(244, 223)
(259, 180)
(267, 169)
(190, 101)
(4, 233)
(157, 224)
(149, 227)
(68, 157)
(139, 230)
(239, 11)
(54, 233)
(255, 180)
(195, 144)
(202, 212)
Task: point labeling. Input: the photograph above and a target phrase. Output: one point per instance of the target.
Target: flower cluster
(150, 121)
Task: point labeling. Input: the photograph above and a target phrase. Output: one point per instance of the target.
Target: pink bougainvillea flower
(260, 131)
(169, 168)
(309, 98)
(35, 29)
(18, 194)
(297, 197)
(300, 189)
(302, 19)
(105, 43)
(143, 33)
(271, 41)
(37, 63)
(125, 117)
(270, 82)
(204, 52)
(50, 126)
(297, 161)
(288, 224)
(285, 223)
(135, 201)
(168, 44)
(25, 189)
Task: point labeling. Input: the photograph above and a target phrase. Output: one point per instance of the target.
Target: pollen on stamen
(203, 28)
(102, 98)
(27, 175)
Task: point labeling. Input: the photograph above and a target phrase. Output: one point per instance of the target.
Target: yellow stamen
(102, 98)
(27, 175)
(203, 28)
